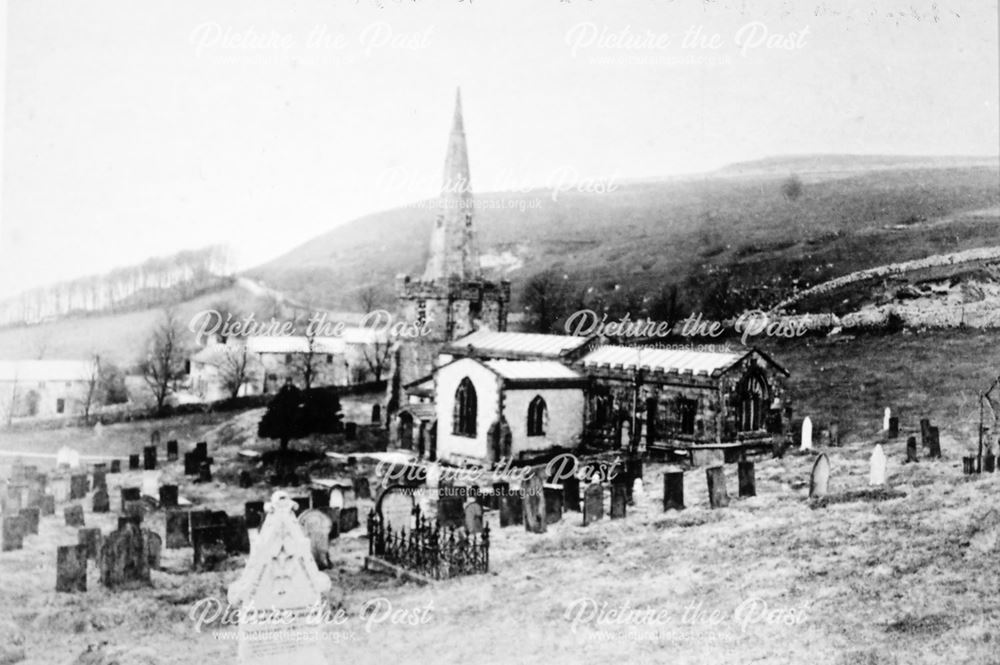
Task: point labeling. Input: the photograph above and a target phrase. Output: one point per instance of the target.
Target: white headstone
(336, 497)
(318, 525)
(885, 419)
(878, 463)
(67, 457)
(396, 508)
(150, 484)
(638, 493)
(819, 479)
(807, 434)
(285, 590)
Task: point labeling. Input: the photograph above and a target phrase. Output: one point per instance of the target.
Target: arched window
(537, 416)
(465, 409)
(753, 400)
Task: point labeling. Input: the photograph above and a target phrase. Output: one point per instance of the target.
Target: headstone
(593, 503)
(553, 493)
(130, 494)
(154, 438)
(253, 511)
(116, 466)
(172, 450)
(245, 479)
(877, 475)
(90, 539)
(317, 526)
(205, 472)
(301, 504)
(718, 497)
(533, 501)
(911, 449)
(73, 515)
(969, 465)
(673, 490)
(48, 505)
(893, 427)
(819, 479)
(619, 499)
(209, 543)
(67, 458)
(100, 479)
(335, 498)
(320, 497)
(571, 492)
(361, 488)
(237, 536)
(925, 432)
(934, 443)
(168, 496)
(511, 508)
(30, 518)
(153, 544)
(747, 478)
(177, 529)
(100, 502)
(885, 419)
(350, 431)
(191, 464)
(133, 463)
(989, 462)
(498, 490)
(281, 574)
(395, 507)
(834, 433)
(12, 502)
(131, 519)
(201, 450)
(124, 560)
(807, 434)
(78, 486)
(347, 519)
(71, 568)
(12, 533)
(134, 510)
(473, 517)
(376, 414)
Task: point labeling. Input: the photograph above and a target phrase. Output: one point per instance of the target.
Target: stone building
(38, 388)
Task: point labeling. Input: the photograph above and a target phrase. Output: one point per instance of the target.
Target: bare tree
(305, 364)
(94, 384)
(369, 297)
(235, 368)
(377, 355)
(163, 366)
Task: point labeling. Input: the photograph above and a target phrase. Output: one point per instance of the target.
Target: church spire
(453, 250)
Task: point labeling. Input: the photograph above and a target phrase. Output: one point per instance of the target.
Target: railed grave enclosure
(427, 549)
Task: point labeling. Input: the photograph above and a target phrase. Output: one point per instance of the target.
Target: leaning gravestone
(619, 499)
(807, 434)
(317, 526)
(473, 518)
(101, 503)
(73, 515)
(90, 539)
(533, 502)
(718, 497)
(177, 529)
(593, 503)
(71, 568)
(878, 464)
(12, 533)
(281, 574)
(124, 559)
(819, 479)
(395, 507)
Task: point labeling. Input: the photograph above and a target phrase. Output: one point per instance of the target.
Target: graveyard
(892, 572)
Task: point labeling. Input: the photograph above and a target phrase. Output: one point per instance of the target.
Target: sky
(137, 129)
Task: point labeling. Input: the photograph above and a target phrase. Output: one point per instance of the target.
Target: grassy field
(901, 581)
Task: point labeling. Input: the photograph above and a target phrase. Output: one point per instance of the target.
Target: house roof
(514, 370)
(490, 344)
(294, 344)
(46, 370)
(680, 361)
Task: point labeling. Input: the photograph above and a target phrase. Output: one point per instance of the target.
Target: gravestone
(209, 543)
(911, 449)
(60, 487)
(133, 463)
(571, 492)
(320, 497)
(134, 511)
(718, 497)
(245, 479)
(12, 533)
(78, 486)
(124, 560)
(116, 466)
(361, 488)
(30, 518)
(130, 494)
(989, 462)
(153, 544)
(237, 535)
(301, 504)
(172, 450)
(67, 458)
(12, 502)
(925, 432)
(101, 503)
(168, 496)
(511, 510)
(132, 519)
(934, 441)
(498, 490)
(553, 493)
(48, 505)
(253, 511)
(619, 500)
(593, 503)
(834, 433)
(473, 517)
(204, 472)
(154, 438)
(376, 414)
(395, 507)
(893, 427)
(335, 498)
(533, 502)
(281, 574)
(807, 434)
(100, 480)
(450, 508)
(968, 465)
(191, 464)
(877, 474)
(348, 519)
(201, 450)
(819, 478)
(90, 539)
(886, 415)
(673, 490)
(317, 526)
(350, 431)
(71, 569)
(747, 479)
(177, 529)
(73, 515)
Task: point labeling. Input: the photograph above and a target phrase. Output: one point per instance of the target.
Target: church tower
(451, 297)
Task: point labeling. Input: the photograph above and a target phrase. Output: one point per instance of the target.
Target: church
(472, 392)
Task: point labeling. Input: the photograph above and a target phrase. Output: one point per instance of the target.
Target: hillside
(651, 234)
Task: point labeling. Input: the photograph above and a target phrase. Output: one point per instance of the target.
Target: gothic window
(465, 409)
(538, 414)
(687, 409)
(753, 401)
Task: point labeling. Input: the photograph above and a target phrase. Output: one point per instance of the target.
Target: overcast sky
(134, 129)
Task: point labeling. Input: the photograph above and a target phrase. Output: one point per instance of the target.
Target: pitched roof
(490, 344)
(294, 344)
(526, 370)
(681, 361)
(46, 370)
